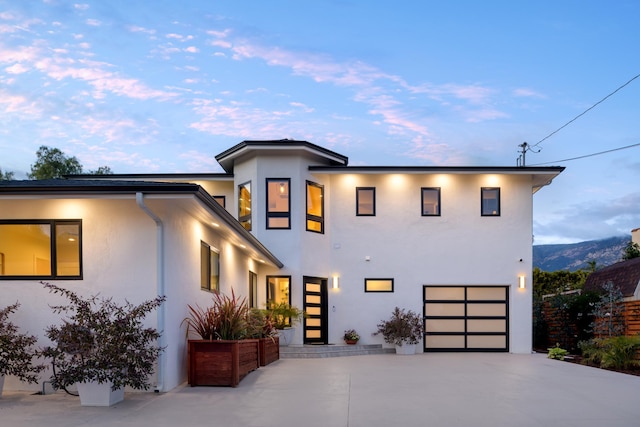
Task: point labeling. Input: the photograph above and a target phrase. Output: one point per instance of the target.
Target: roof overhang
(540, 176)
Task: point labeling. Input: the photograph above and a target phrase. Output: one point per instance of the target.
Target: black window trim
(358, 189)
(422, 190)
(208, 288)
(54, 259)
(367, 279)
(222, 200)
(270, 215)
(498, 207)
(309, 217)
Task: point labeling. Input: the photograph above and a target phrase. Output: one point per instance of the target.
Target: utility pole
(522, 160)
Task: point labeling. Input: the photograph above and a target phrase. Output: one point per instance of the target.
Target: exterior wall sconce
(521, 282)
(335, 282)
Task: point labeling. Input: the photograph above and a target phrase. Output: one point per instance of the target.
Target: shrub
(615, 352)
(16, 352)
(404, 327)
(557, 353)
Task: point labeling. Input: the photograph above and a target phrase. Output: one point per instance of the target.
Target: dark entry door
(315, 306)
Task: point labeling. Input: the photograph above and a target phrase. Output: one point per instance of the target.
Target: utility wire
(588, 155)
(584, 112)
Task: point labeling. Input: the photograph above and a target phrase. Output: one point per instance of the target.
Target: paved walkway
(432, 390)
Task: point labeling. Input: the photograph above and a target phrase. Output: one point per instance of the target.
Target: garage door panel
(455, 293)
(488, 309)
(439, 309)
(445, 325)
(486, 293)
(486, 342)
(486, 325)
(444, 341)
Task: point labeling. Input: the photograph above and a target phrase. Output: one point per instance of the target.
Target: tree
(6, 176)
(53, 163)
(632, 250)
(608, 312)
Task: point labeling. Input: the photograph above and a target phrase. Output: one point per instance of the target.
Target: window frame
(278, 214)
(310, 217)
(246, 219)
(370, 279)
(482, 199)
(53, 247)
(422, 194)
(253, 289)
(222, 200)
(205, 273)
(373, 206)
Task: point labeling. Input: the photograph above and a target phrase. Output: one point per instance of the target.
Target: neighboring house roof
(82, 187)
(625, 275)
(228, 157)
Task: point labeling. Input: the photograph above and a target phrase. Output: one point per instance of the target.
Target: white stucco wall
(120, 260)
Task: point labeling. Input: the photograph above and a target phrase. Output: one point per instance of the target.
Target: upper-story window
(431, 201)
(45, 249)
(365, 201)
(490, 201)
(278, 203)
(315, 207)
(244, 205)
(222, 200)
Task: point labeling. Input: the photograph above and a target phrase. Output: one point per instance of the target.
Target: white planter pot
(94, 394)
(286, 336)
(406, 349)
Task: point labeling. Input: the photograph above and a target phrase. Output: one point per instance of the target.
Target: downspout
(160, 286)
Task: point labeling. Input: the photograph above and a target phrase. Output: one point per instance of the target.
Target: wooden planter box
(269, 350)
(221, 363)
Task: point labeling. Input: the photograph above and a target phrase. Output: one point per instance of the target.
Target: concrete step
(331, 350)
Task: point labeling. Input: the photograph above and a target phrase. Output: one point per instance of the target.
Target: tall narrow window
(244, 205)
(490, 201)
(315, 207)
(365, 201)
(431, 201)
(41, 248)
(253, 290)
(209, 268)
(279, 292)
(278, 203)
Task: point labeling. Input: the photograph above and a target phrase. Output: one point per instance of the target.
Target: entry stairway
(309, 351)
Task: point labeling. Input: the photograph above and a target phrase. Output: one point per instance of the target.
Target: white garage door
(466, 318)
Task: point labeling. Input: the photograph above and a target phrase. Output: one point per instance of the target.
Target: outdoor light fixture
(336, 282)
(521, 283)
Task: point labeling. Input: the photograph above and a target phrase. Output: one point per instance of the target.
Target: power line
(588, 155)
(584, 112)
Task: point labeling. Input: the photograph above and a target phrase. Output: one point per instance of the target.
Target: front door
(315, 307)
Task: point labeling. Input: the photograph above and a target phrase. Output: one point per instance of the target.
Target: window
(278, 289)
(430, 201)
(244, 205)
(50, 249)
(378, 285)
(222, 200)
(278, 203)
(490, 201)
(315, 207)
(365, 201)
(253, 290)
(209, 268)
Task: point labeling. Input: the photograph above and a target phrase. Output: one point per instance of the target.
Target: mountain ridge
(576, 256)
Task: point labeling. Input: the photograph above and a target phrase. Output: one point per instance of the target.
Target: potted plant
(101, 346)
(351, 336)
(225, 353)
(16, 350)
(404, 330)
(284, 316)
(261, 327)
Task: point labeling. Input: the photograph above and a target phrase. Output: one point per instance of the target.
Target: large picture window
(209, 268)
(490, 201)
(365, 201)
(46, 249)
(278, 203)
(430, 201)
(244, 205)
(315, 207)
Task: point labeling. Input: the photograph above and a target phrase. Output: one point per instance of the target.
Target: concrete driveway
(363, 391)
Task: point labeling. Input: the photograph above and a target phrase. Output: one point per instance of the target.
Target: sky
(164, 86)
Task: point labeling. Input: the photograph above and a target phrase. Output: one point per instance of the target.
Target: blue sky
(164, 86)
